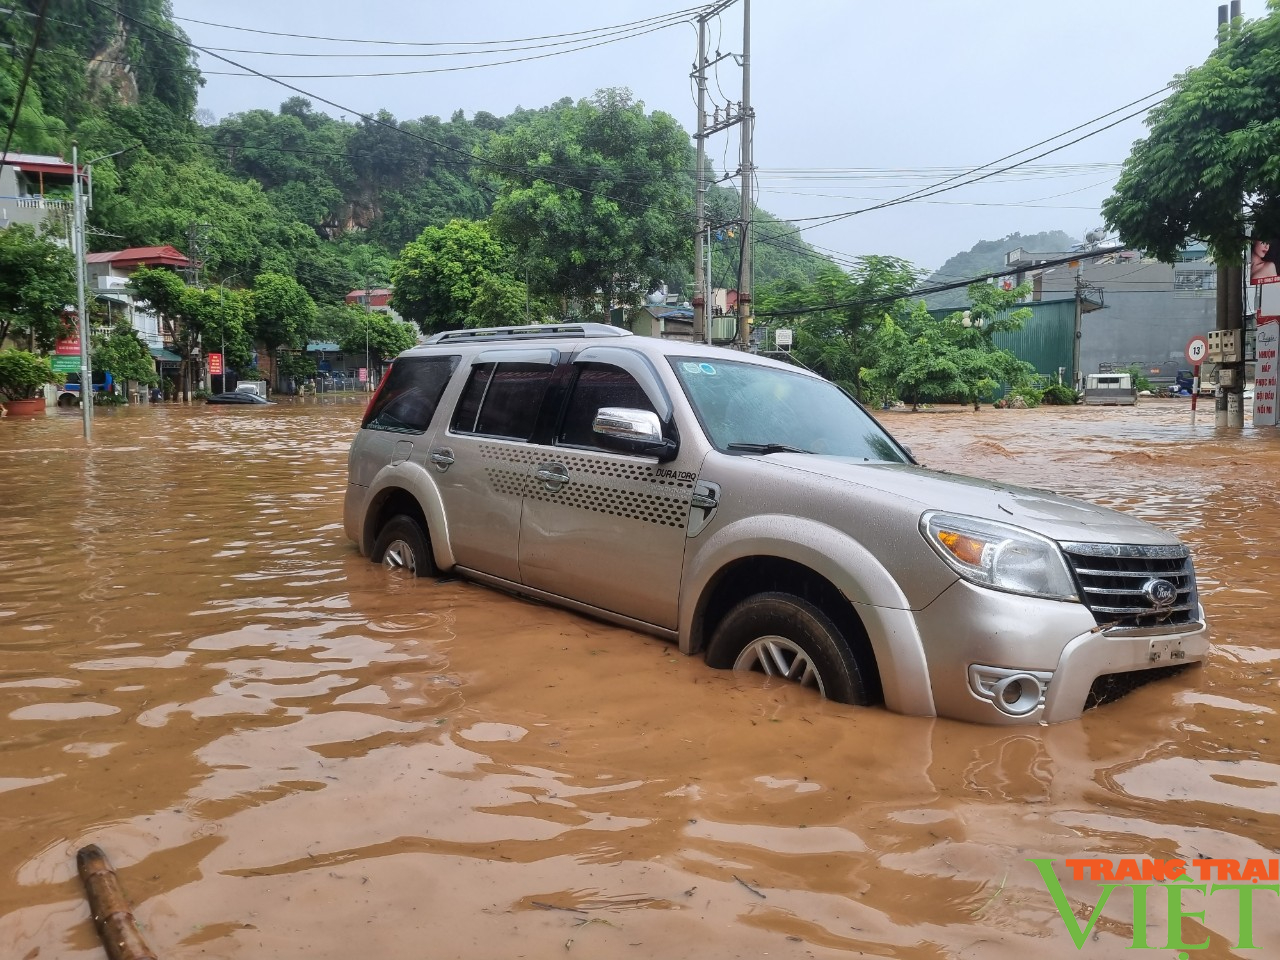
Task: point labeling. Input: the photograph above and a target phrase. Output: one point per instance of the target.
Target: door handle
(553, 475)
(442, 458)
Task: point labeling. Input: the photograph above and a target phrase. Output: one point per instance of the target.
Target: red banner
(215, 364)
(68, 347)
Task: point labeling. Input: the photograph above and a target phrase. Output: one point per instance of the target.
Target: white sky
(916, 89)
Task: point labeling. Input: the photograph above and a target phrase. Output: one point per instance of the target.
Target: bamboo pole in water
(115, 923)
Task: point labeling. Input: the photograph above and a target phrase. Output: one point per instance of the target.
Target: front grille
(1113, 577)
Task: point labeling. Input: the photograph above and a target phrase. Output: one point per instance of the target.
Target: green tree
(183, 312)
(231, 327)
(37, 282)
(837, 313)
(124, 353)
(594, 197)
(1208, 169)
(921, 359)
(441, 275)
(383, 336)
(284, 311)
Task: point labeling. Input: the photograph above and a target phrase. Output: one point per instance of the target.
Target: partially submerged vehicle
(1110, 390)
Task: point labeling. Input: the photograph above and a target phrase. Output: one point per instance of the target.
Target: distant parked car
(241, 398)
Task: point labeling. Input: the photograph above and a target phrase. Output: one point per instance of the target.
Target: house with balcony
(107, 280)
(33, 189)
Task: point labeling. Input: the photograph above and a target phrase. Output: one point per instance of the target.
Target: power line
(420, 43)
(921, 292)
(942, 186)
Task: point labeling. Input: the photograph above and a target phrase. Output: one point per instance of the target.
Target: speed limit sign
(1197, 350)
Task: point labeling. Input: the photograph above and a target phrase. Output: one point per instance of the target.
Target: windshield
(750, 408)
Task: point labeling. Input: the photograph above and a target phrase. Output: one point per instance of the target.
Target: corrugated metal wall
(1044, 341)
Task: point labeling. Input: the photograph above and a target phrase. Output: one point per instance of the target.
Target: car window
(407, 401)
(598, 385)
(748, 405)
(502, 399)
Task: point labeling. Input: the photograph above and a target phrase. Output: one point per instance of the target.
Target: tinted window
(407, 401)
(598, 385)
(502, 399)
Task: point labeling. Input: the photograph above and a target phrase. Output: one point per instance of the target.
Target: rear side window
(502, 399)
(408, 400)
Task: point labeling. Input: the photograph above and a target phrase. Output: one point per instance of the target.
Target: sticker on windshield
(707, 368)
(689, 367)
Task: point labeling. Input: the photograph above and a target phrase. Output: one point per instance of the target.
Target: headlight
(1000, 556)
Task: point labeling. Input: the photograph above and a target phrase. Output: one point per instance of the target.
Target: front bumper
(1000, 658)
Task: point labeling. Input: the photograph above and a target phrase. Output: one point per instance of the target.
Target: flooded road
(286, 753)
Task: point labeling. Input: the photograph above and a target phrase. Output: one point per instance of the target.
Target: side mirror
(638, 430)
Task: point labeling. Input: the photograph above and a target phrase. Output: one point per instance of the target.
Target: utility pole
(745, 278)
(82, 312)
(703, 286)
(1229, 397)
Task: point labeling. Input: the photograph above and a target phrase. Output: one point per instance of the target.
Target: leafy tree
(1213, 143)
(124, 353)
(594, 197)
(37, 281)
(184, 313)
(441, 275)
(842, 311)
(231, 327)
(384, 336)
(284, 311)
(921, 359)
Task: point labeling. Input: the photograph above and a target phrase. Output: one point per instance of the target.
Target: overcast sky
(856, 102)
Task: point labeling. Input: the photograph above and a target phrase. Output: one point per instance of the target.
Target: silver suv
(754, 513)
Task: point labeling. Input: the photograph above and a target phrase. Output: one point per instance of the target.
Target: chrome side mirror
(639, 430)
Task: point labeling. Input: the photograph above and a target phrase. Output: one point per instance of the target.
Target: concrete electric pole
(739, 113)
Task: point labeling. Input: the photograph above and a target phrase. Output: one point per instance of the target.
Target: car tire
(780, 634)
(402, 545)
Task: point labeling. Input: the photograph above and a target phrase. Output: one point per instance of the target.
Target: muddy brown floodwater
(286, 753)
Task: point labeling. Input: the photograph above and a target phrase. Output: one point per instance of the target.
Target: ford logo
(1161, 593)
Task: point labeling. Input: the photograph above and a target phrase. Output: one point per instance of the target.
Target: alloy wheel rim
(779, 657)
(399, 556)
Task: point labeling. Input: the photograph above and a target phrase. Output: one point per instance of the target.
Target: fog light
(1012, 692)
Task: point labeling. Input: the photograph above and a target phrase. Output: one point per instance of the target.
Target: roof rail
(535, 331)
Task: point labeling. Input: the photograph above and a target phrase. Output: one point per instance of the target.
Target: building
(107, 280)
(1145, 311)
(377, 299)
(34, 188)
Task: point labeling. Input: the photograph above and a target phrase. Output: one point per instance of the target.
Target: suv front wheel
(782, 635)
(402, 545)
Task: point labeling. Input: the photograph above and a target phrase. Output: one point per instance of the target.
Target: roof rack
(535, 331)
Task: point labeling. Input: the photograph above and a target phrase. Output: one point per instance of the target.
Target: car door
(602, 524)
(482, 460)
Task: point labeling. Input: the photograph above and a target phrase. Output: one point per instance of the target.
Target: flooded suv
(752, 512)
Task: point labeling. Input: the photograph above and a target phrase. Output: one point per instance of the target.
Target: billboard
(1264, 262)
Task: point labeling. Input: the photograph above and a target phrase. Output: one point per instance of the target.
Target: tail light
(377, 393)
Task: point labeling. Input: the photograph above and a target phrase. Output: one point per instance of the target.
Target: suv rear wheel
(782, 635)
(401, 545)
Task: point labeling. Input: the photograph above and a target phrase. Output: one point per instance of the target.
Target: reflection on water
(285, 752)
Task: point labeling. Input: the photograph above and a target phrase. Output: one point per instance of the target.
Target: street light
(222, 323)
(77, 245)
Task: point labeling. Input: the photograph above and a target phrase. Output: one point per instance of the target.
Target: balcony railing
(40, 203)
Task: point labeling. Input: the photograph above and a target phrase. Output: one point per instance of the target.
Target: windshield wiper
(766, 448)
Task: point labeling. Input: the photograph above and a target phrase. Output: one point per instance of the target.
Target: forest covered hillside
(332, 202)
